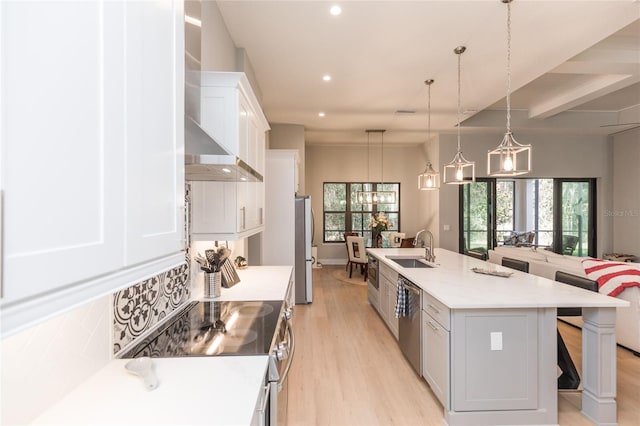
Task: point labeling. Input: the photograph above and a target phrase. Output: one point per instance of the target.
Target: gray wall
(624, 213)
(553, 156)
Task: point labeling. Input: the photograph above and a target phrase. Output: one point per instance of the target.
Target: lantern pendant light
(510, 158)
(429, 179)
(376, 197)
(460, 170)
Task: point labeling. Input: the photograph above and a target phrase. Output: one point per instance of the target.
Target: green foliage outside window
(342, 212)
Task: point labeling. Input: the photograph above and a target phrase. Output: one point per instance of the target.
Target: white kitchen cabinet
(92, 121)
(388, 279)
(154, 131)
(232, 115)
(435, 347)
(226, 210)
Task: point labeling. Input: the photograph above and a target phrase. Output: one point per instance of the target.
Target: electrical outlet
(496, 341)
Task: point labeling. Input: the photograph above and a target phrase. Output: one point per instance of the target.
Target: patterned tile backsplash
(142, 306)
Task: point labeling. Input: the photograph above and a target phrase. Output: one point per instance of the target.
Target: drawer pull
(433, 308)
(432, 326)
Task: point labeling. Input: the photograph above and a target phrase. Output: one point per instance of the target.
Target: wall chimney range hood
(206, 160)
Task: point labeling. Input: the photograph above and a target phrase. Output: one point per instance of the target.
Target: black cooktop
(213, 328)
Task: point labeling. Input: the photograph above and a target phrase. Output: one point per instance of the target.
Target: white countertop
(191, 391)
(454, 284)
(256, 283)
(194, 390)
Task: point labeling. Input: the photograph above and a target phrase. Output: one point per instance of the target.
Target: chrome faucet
(428, 251)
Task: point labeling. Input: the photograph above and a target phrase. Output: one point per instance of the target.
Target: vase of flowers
(378, 223)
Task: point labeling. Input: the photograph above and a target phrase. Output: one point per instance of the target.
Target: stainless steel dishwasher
(409, 335)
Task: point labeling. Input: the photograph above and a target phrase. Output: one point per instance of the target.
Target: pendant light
(510, 158)
(460, 170)
(376, 197)
(429, 179)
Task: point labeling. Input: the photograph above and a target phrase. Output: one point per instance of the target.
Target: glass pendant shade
(460, 170)
(429, 179)
(510, 158)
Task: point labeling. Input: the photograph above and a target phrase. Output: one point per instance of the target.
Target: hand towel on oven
(402, 301)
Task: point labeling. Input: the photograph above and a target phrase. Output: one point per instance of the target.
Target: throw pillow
(612, 277)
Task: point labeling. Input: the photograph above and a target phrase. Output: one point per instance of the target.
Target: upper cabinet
(231, 115)
(92, 174)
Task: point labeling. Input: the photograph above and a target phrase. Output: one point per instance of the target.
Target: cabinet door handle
(243, 216)
(260, 215)
(432, 326)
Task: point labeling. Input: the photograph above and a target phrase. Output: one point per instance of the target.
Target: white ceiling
(575, 65)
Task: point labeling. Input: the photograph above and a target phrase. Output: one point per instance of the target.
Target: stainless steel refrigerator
(303, 259)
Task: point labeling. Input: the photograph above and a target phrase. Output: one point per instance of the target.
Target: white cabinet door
(435, 358)
(63, 138)
(155, 129)
(214, 208)
(91, 116)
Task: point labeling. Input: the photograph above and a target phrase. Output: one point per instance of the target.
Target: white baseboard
(333, 261)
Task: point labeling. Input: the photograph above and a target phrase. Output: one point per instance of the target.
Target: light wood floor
(348, 369)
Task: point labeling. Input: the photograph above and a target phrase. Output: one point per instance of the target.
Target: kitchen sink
(410, 262)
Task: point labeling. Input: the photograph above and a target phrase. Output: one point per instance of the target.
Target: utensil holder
(212, 284)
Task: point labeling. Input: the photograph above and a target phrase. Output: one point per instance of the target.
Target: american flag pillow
(612, 277)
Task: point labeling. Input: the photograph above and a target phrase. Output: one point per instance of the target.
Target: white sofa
(545, 263)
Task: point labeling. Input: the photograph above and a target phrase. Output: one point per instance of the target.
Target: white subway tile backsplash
(43, 363)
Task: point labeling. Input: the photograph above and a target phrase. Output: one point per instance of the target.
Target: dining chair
(407, 242)
(516, 264)
(395, 238)
(357, 255)
(349, 234)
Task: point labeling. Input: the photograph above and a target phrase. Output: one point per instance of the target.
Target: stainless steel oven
(280, 360)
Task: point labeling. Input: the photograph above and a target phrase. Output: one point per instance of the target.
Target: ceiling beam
(594, 88)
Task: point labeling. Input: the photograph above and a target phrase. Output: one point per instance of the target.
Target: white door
(62, 107)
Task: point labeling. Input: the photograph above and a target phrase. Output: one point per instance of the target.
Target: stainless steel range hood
(205, 160)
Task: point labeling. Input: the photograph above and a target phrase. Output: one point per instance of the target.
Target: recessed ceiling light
(226, 170)
(326, 77)
(321, 114)
(335, 10)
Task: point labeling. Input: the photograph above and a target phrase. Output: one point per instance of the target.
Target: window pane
(335, 196)
(393, 220)
(545, 212)
(333, 236)
(504, 206)
(355, 205)
(357, 222)
(334, 222)
(575, 218)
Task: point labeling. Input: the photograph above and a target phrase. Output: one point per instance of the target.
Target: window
(342, 213)
(559, 212)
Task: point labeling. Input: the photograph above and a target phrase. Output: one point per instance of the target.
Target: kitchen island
(496, 337)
